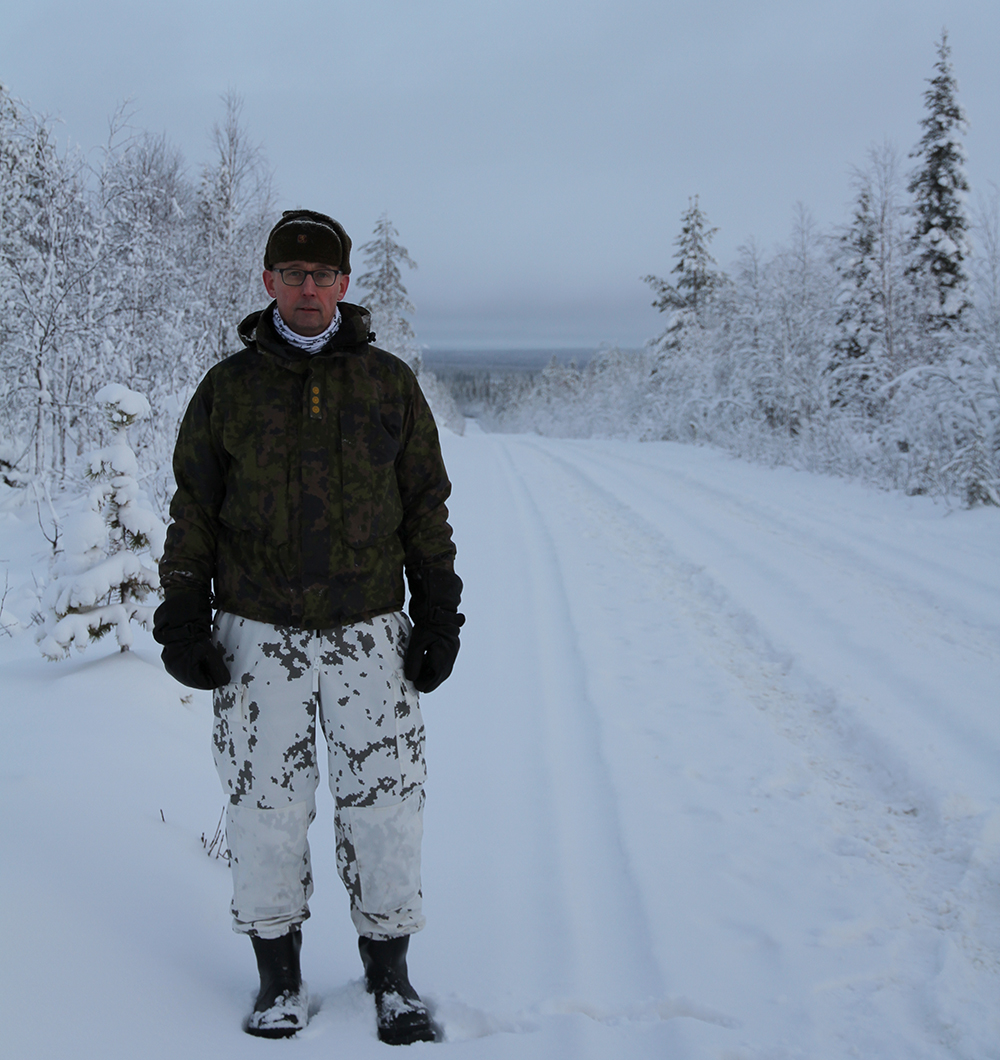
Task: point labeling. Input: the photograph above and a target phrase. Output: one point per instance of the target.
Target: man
(309, 477)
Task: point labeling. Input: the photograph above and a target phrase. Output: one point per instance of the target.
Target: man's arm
(183, 622)
(200, 473)
(423, 488)
(435, 588)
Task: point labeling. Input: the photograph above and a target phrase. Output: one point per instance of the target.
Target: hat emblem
(302, 237)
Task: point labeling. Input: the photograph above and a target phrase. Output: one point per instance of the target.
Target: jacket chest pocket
(372, 508)
(256, 501)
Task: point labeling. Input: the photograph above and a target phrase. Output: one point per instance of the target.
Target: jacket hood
(257, 329)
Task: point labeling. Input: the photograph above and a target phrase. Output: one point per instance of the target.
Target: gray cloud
(535, 156)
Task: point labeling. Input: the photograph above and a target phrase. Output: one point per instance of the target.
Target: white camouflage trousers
(351, 679)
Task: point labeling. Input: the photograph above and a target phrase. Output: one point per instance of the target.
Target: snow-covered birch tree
(985, 323)
(52, 257)
(235, 207)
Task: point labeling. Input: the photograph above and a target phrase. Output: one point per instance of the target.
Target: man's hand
(430, 656)
(433, 645)
(183, 625)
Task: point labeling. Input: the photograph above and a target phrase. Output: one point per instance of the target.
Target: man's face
(307, 310)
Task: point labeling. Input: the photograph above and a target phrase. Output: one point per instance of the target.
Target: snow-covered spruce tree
(681, 377)
(873, 335)
(946, 417)
(101, 577)
(946, 409)
(858, 317)
(384, 293)
(939, 243)
(697, 280)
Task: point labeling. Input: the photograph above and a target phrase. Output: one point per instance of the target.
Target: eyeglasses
(297, 277)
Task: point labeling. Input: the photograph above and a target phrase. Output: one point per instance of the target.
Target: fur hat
(304, 235)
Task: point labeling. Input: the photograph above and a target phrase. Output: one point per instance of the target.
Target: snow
(715, 777)
(113, 460)
(77, 629)
(84, 532)
(129, 403)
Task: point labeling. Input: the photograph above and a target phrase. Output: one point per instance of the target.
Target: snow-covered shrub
(102, 574)
(948, 425)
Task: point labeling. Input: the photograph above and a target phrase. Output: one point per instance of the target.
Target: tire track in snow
(488, 741)
(936, 858)
(890, 562)
(611, 931)
(842, 609)
(731, 637)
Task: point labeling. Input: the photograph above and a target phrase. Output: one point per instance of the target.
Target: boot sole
(404, 1037)
(406, 1033)
(272, 1032)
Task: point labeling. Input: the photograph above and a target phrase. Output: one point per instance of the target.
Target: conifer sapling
(102, 574)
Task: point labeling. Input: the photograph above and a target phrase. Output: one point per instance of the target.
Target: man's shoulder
(392, 365)
(233, 366)
(249, 355)
(379, 362)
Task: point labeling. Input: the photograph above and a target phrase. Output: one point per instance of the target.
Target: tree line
(872, 350)
(124, 270)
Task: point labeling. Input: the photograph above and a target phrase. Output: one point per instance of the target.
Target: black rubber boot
(282, 1006)
(402, 1017)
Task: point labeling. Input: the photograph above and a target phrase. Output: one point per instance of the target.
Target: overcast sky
(535, 155)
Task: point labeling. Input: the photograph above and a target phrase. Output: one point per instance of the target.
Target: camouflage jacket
(306, 483)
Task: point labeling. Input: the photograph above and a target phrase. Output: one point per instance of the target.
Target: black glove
(183, 625)
(430, 654)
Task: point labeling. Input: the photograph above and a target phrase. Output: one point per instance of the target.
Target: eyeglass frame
(308, 272)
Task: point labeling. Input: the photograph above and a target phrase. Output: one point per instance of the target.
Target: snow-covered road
(715, 777)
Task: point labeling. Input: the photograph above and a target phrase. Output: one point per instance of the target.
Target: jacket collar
(355, 330)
